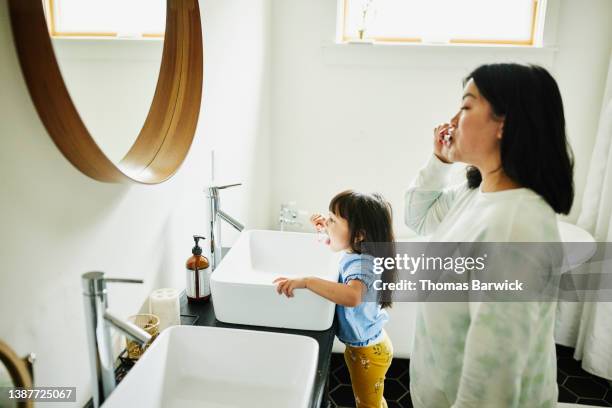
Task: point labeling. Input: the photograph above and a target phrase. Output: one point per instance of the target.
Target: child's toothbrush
(322, 236)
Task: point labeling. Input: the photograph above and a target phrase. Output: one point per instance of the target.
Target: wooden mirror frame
(18, 370)
(169, 128)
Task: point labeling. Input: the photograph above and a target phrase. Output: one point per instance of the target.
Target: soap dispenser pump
(198, 281)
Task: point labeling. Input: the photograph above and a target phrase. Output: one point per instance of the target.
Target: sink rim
(219, 274)
(264, 333)
(308, 342)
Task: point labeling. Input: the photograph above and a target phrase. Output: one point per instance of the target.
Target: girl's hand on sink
(318, 221)
(286, 285)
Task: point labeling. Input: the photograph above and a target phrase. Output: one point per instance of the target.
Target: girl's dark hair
(534, 148)
(370, 224)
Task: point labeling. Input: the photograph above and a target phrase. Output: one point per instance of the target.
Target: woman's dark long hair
(534, 148)
(370, 224)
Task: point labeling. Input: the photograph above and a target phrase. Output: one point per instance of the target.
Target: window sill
(418, 55)
(108, 48)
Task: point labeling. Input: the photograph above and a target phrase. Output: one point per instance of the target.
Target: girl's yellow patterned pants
(368, 366)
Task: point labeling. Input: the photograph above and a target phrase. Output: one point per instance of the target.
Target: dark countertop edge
(205, 313)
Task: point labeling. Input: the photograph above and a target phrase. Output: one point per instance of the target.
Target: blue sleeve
(361, 268)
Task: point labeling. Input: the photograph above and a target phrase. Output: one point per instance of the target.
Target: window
(106, 18)
(516, 22)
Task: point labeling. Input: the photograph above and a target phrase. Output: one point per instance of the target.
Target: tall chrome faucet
(216, 215)
(98, 320)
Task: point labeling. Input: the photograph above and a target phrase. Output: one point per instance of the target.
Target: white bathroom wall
(361, 116)
(57, 223)
(585, 41)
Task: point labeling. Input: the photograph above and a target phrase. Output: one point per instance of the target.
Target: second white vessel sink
(242, 288)
(188, 366)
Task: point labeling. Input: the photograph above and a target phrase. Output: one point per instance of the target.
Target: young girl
(355, 219)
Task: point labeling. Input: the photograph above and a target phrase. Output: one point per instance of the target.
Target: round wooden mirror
(13, 373)
(169, 127)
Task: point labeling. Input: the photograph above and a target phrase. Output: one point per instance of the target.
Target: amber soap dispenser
(198, 281)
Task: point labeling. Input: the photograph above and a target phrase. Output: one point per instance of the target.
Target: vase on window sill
(361, 38)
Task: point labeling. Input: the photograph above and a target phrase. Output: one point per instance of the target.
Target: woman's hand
(286, 285)
(318, 221)
(440, 150)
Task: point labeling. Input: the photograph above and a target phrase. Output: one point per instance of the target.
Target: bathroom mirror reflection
(109, 54)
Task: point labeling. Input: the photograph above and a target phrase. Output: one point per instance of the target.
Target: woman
(510, 131)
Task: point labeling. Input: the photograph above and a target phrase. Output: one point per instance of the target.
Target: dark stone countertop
(205, 313)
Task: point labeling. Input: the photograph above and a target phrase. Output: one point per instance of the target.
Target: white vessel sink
(213, 367)
(242, 288)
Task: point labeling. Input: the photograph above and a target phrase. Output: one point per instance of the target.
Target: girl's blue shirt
(360, 325)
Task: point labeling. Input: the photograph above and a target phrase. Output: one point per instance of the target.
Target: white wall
(581, 66)
(57, 223)
(362, 117)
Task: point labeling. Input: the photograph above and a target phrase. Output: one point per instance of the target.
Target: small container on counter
(149, 323)
(165, 304)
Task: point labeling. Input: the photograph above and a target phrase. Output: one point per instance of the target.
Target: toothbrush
(322, 236)
(447, 137)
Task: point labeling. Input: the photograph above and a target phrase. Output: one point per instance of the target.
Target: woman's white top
(481, 354)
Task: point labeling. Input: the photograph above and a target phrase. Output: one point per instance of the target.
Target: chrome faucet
(98, 320)
(216, 215)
